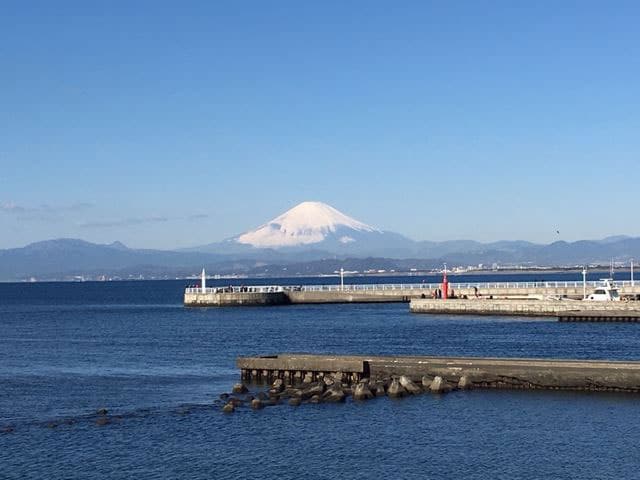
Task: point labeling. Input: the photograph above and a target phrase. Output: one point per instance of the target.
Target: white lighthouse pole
(341, 279)
(632, 283)
(584, 282)
(203, 281)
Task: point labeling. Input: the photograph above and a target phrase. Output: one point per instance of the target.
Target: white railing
(405, 287)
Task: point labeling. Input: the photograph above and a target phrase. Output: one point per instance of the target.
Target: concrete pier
(379, 293)
(509, 373)
(228, 299)
(518, 307)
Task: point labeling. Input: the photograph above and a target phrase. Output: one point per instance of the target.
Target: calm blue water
(69, 349)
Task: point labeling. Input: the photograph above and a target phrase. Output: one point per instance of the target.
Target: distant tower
(203, 281)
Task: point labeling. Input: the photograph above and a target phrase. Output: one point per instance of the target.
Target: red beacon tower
(445, 284)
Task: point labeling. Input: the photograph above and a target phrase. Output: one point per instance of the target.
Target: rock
(396, 390)
(315, 399)
(328, 381)
(317, 389)
(239, 388)
(277, 385)
(263, 396)
(426, 382)
(464, 383)
(295, 401)
(256, 404)
(224, 396)
(52, 425)
(362, 392)
(229, 408)
(379, 389)
(409, 386)
(273, 393)
(7, 429)
(272, 402)
(334, 394)
(308, 378)
(438, 385)
(291, 392)
(102, 421)
(102, 411)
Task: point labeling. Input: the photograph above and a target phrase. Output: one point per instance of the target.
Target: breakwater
(300, 378)
(454, 372)
(383, 293)
(522, 307)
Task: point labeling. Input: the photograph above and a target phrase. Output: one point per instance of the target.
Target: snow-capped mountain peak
(306, 223)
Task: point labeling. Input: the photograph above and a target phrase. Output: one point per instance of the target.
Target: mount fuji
(315, 227)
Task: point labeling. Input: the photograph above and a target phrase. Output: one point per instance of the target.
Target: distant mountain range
(311, 238)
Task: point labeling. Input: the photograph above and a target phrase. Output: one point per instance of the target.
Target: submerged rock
(295, 401)
(229, 408)
(240, 388)
(272, 402)
(102, 421)
(256, 404)
(102, 411)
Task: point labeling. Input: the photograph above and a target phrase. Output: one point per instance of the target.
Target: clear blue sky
(183, 123)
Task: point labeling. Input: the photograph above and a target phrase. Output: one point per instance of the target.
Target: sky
(174, 124)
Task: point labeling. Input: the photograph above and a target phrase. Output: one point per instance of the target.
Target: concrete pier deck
(508, 373)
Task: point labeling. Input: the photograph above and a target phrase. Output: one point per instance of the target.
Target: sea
(69, 349)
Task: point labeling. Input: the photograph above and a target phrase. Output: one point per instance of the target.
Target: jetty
(203, 296)
(563, 309)
(447, 372)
